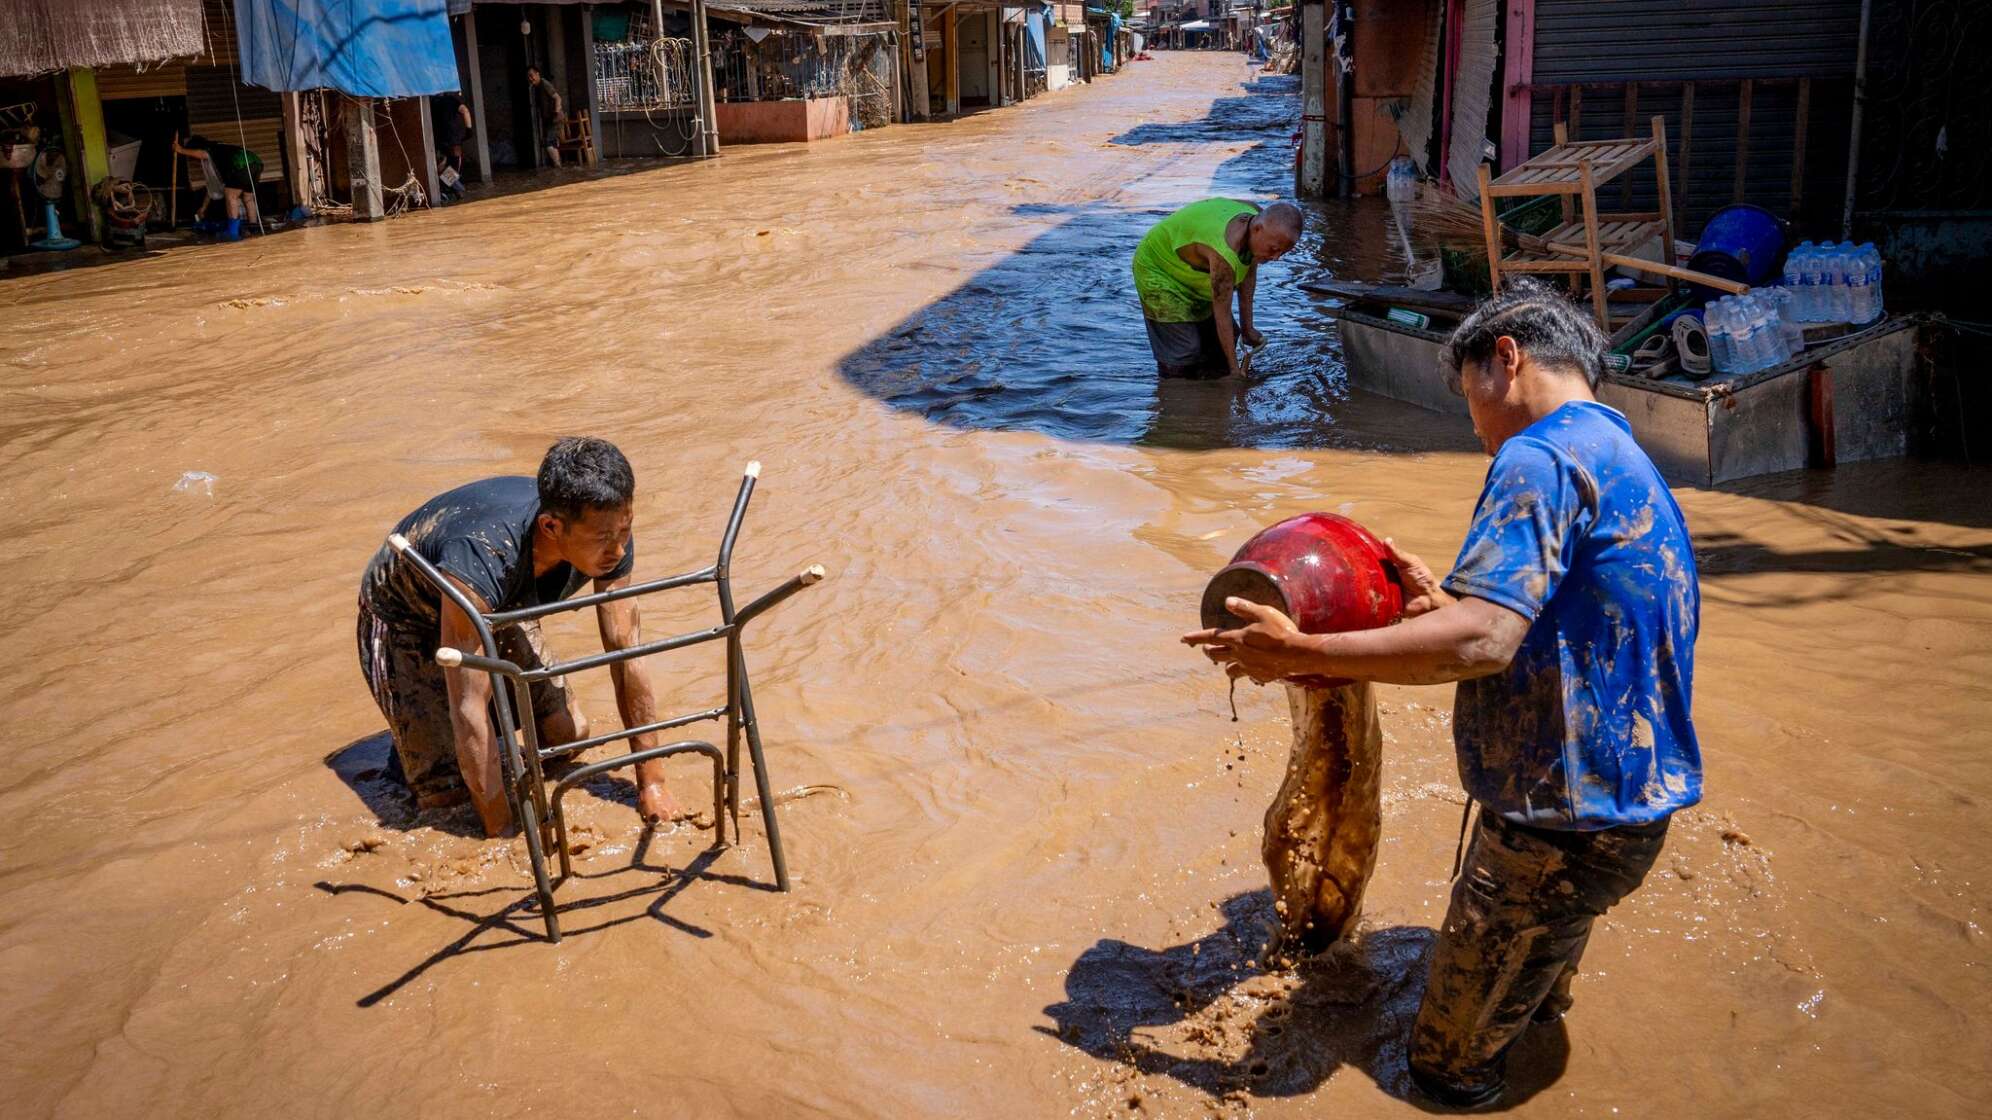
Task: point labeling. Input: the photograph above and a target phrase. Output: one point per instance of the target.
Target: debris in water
(196, 482)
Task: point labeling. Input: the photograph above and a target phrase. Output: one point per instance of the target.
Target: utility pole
(363, 158)
(708, 114)
(1313, 99)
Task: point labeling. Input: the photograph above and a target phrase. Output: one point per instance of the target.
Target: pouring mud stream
(1327, 574)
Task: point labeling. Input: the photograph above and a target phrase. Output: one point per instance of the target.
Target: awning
(368, 48)
(866, 17)
(37, 36)
(1196, 25)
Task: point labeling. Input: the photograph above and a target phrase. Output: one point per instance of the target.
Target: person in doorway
(506, 543)
(1569, 622)
(546, 110)
(231, 173)
(1186, 269)
(450, 117)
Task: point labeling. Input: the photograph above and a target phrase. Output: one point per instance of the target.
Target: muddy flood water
(1022, 825)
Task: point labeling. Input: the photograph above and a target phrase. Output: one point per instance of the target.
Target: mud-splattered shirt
(481, 533)
(1588, 727)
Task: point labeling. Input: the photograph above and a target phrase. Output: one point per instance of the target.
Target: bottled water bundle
(1835, 283)
(1753, 331)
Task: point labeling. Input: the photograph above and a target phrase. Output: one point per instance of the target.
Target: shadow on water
(1267, 111)
(367, 767)
(1351, 1006)
(507, 916)
(1050, 339)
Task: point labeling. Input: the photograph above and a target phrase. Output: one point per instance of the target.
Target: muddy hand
(1268, 648)
(1422, 590)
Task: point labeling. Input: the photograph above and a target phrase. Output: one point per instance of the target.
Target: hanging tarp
(368, 48)
(37, 36)
(1034, 39)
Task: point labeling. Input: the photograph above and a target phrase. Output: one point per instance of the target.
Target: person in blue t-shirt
(1569, 622)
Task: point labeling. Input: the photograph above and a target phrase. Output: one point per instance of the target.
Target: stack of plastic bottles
(1753, 331)
(1835, 283)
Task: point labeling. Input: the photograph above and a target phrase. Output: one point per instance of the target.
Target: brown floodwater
(1024, 835)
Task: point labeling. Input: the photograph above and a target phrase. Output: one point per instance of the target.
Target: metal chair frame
(543, 820)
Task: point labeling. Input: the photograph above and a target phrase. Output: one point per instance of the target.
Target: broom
(1454, 223)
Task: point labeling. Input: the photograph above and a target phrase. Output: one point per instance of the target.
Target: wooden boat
(1846, 400)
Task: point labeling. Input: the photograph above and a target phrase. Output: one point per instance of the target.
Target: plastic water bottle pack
(1834, 283)
(1749, 332)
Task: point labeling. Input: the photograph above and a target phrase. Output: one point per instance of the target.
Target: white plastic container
(124, 159)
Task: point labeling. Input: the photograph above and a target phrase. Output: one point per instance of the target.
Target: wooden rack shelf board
(1588, 239)
(1558, 170)
(1615, 234)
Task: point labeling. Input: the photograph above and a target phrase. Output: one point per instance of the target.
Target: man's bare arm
(1245, 290)
(1463, 639)
(621, 623)
(470, 719)
(1221, 289)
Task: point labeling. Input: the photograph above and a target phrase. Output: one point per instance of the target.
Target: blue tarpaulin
(1034, 39)
(368, 48)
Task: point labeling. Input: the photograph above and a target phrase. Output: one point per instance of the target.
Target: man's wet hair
(1554, 332)
(581, 473)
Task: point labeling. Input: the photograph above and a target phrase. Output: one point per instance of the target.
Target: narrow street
(1021, 821)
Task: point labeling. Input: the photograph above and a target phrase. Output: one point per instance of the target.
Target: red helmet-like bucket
(1325, 572)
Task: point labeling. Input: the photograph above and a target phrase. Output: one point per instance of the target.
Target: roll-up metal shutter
(1662, 44)
(118, 83)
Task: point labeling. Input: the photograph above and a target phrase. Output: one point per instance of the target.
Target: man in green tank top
(1186, 270)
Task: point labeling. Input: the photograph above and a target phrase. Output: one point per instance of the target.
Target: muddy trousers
(1521, 913)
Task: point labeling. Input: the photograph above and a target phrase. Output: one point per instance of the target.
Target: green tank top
(1171, 291)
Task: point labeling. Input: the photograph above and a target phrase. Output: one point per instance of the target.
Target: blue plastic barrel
(1743, 243)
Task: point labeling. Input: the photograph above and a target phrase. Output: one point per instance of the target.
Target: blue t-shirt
(1588, 727)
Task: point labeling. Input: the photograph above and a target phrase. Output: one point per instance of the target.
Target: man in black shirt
(546, 110)
(506, 543)
(450, 117)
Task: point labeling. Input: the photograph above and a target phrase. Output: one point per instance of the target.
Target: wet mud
(1321, 831)
(1040, 892)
